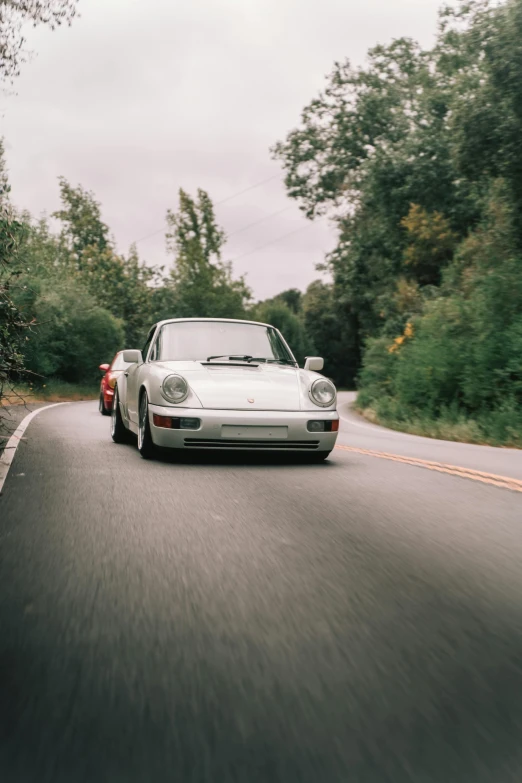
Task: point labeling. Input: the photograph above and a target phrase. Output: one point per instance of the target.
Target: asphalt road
(10, 418)
(362, 434)
(358, 621)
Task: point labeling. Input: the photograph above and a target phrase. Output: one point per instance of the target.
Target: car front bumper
(233, 430)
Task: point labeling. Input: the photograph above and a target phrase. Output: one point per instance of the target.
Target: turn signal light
(323, 426)
(162, 421)
(111, 380)
(175, 422)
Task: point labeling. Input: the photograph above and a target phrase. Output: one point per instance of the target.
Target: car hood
(221, 386)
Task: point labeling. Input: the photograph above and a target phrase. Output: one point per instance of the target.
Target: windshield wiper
(247, 358)
(227, 356)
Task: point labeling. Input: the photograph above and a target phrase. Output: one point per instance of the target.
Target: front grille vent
(244, 443)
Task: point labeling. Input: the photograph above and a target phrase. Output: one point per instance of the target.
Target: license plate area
(251, 431)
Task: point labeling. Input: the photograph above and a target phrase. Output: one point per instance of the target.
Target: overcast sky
(141, 97)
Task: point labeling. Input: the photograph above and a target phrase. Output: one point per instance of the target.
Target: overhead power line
(261, 220)
(267, 244)
(251, 187)
(228, 198)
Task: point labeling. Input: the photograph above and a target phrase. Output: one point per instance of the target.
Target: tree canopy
(202, 283)
(14, 14)
(415, 156)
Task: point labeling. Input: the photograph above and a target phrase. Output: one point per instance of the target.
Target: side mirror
(314, 363)
(132, 357)
(104, 367)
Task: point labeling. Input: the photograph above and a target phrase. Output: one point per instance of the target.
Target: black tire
(101, 407)
(146, 446)
(119, 432)
(319, 456)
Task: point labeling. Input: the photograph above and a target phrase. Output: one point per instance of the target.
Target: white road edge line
(9, 451)
(364, 425)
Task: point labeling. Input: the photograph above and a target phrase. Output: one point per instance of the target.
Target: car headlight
(322, 392)
(175, 388)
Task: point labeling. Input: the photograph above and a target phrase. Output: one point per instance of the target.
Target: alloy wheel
(142, 420)
(115, 404)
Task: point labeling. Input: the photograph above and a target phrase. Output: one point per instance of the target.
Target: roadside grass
(502, 427)
(52, 391)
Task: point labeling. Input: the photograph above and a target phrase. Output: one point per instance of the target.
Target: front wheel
(119, 432)
(319, 456)
(145, 444)
(101, 407)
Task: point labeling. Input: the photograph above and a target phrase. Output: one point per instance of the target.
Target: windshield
(198, 340)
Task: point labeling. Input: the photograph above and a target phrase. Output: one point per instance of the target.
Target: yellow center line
(504, 482)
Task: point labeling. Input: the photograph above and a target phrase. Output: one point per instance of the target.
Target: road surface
(240, 621)
(10, 418)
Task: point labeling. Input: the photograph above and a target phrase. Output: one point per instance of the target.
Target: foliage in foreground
(501, 427)
(14, 14)
(416, 156)
(12, 323)
(82, 301)
(460, 360)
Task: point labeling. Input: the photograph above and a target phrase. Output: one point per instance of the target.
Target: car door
(134, 374)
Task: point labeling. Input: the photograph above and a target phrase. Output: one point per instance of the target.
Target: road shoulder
(359, 433)
(10, 418)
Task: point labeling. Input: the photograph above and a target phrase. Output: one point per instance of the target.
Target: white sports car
(216, 384)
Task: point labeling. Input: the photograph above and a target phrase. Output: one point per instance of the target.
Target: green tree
(71, 334)
(13, 14)
(81, 217)
(373, 142)
(431, 244)
(363, 114)
(483, 38)
(279, 314)
(119, 284)
(202, 283)
(404, 154)
(292, 298)
(12, 323)
(461, 353)
(332, 333)
(382, 137)
(139, 281)
(122, 285)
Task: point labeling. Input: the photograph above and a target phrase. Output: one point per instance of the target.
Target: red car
(108, 382)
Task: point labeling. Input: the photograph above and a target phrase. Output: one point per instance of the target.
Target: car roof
(210, 320)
